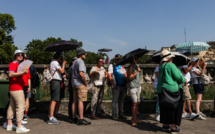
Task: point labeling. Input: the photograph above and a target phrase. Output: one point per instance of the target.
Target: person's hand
(138, 69)
(114, 86)
(25, 71)
(128, 93)
(85, 84)
(64, 62)
(204, 64)
(64, 76)
(29, 89)
(185, 82)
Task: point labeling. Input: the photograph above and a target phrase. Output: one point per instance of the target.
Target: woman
(171, 81)
(98, 75)
(134, 88)
(197, 85)
(157, 114)
(17, 99)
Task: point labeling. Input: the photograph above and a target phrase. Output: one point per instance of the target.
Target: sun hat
(166, 55)
(18, 51)
(195, 59)
(81, 51)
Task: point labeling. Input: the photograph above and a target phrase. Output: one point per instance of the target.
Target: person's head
(166, 56)
(117, 57)
(81, 53)
(57, 56)
(26, 57)
(134, 60)
(195, 61)
(72, 60)
(18, 55)
(99, 61)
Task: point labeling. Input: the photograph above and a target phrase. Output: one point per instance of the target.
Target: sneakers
(53, 121)
(9, 128)
(193, 116)
(25, 118)
(185, 115)
(177, 131)
(22, 129)
(202, 114)
(114, 117)
(24, 122)
(83, 122)
(201, 117)
(157, 116)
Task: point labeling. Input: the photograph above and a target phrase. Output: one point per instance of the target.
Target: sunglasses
(19, 54)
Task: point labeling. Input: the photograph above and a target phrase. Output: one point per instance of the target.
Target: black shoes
(165, 128)
(83, 122)
(122, 117)
(73, 120)
(177, 131)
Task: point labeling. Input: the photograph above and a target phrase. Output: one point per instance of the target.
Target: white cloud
(90, 43)
(117, 42)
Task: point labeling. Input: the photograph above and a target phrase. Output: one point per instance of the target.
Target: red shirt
(15, 83)
(25, 77)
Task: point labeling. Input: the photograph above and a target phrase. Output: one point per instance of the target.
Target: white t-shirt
(120, 71)
(194, 76)
(187, 76)
(156, 78)
(54, 65)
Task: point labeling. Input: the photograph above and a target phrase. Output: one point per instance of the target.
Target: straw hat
(166, 55)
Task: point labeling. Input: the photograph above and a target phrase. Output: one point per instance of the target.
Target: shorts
(55, 90)
(186, 93)
(27, 95)
(135, 94)
(199, 88)
(80, 93)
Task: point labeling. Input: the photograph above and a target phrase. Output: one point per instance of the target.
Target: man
(70, 88)
(117, 77)
(79, 85)
(56, 70)
(186, 92)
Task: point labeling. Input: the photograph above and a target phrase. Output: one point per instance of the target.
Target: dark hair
(57, 55)
(118, 56)
(99, 58)
(14, 57)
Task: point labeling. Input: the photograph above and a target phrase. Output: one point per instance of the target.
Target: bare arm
(83, 78)
(130, 75)
(29, 85)
(111, 80)
(202, 72)
(186, 70)
(12, 74)
(62, 69)
(156, 73)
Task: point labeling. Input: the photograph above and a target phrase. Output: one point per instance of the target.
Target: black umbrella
(135, 53)
(178, 60)
(61, 46)
(105, 50)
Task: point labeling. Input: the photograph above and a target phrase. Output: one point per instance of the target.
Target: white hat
(195, 59)
(18, 51)
(166, 55)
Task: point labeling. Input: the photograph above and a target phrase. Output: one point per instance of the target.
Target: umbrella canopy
(105, 50)
(135, 53)
(192, 47)
(178, 60)
(61, 46)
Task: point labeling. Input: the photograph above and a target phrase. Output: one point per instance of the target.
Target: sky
(121, 25)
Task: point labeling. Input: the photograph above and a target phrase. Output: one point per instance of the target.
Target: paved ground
(38, 125)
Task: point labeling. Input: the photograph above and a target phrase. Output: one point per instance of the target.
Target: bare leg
(52, 108)
(27, 104)
(74, 109)
(184, 104)
(173, 126)
(198, 101)
(57, 106)
(81, 109)
(189, 106)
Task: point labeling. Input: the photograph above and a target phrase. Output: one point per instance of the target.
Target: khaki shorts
(80, 93)
(186, 93)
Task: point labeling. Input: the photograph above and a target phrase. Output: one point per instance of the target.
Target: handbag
(205, 80)
(47, 75)
(167, 98)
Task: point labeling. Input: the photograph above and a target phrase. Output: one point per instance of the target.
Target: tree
(7, 25)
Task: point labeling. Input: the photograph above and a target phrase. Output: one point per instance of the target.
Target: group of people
(168, 79)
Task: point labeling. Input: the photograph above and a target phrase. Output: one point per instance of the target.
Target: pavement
(37, 124)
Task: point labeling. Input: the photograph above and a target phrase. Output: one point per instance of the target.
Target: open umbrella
(61, 46)
(135, 53)
(106, 50)
(192, 47)
(178, 60)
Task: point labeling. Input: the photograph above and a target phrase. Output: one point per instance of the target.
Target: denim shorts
(199, 88)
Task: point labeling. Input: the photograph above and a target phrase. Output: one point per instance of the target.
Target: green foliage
(142, 60)
(92, 57)
(36, 50)
(7, 25)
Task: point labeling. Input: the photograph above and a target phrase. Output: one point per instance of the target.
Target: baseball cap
(194, 59)
(18, 51)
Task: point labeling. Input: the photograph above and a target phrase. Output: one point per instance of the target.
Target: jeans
(119, 94)
(157, 104)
